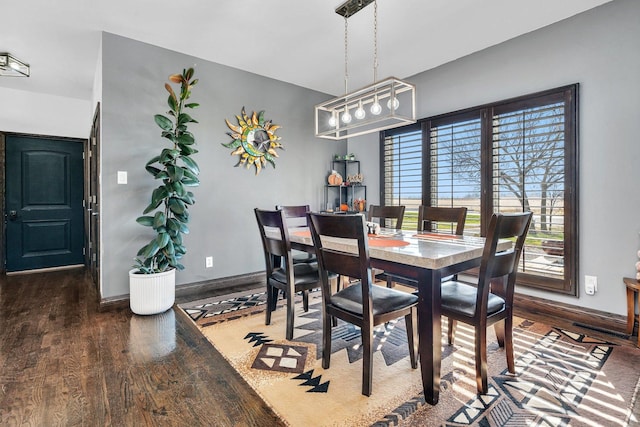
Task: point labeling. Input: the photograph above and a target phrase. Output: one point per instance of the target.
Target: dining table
(424, 258)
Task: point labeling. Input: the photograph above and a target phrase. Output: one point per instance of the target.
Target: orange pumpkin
(344, 207)
(335, 179)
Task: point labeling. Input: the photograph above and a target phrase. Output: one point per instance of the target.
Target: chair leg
(326, 336)
(499, 328)
(412, 337)
(275, 293)
(305, 301)
(290, 314)
(389, 281)
(481, 359)
(270, 304)
(508, 340)
(451, 330)
(367, 359)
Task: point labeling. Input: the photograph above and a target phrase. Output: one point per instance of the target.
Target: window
(509, 156)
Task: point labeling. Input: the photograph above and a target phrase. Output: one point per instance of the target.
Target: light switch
(122, 177)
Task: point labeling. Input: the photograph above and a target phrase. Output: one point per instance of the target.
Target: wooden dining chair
(282, 273)
(383, 213)
(491, 301)
(363, 304)
(434, 219)
(296, 216)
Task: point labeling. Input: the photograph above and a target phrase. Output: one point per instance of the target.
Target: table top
(425, 250)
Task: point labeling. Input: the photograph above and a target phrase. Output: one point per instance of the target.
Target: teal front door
(44, 212)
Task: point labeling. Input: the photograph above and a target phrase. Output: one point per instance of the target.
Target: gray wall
(598, 49)
(222, 221)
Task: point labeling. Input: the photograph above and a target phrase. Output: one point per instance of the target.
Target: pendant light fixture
(382, 105)
(11, 66)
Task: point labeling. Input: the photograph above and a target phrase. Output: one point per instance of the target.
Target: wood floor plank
(65, 363)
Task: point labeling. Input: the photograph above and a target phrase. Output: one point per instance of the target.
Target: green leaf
(164, 122)
(153, 170)
(183, 218)
(152, 206)
(177, 239)
(187, 150)
(179, 189)
(162, 175)
(159, 194)
(173, 104)
(159, 220)
(192, 105)
(170, 248)
(149, 250)
(185, 118)
(153, 160)
(168, 155)
(190, 164)
(175, 172)
(162, 239)
(188, 198)
(145, 220)
(186, 138)
(176, 206)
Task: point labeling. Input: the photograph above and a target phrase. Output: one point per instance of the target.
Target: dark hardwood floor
(64, 363)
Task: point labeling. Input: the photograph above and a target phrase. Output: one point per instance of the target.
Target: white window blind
(402, 154)
(529, 174)
(455, 166)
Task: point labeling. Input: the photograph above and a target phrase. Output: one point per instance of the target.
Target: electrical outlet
(590, 284)
(208, 262)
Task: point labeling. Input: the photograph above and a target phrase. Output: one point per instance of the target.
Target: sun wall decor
(254, 140)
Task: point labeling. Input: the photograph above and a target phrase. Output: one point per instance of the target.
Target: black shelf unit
(336, 195)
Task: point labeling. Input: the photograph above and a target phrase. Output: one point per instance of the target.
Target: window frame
(566, 94)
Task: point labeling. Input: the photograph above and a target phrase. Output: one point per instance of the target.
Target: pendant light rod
(333, 119)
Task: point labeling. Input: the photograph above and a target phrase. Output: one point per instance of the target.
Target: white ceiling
(297, 41)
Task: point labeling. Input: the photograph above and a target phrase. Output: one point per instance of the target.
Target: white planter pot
(151, 293)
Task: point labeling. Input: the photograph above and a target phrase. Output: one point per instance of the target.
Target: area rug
(563, 378)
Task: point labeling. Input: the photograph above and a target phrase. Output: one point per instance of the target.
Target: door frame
(92, 200)
(3, 186)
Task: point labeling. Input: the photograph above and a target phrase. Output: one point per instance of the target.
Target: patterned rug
(563, 378)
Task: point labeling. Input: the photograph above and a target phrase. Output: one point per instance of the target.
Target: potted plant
(152, 280)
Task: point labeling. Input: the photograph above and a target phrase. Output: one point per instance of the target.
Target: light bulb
(396, 103)
(332, 121)
(360, 112)
(346, 117)
(375, 107)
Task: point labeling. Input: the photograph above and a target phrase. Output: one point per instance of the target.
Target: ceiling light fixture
(369, 116)
(10, 66)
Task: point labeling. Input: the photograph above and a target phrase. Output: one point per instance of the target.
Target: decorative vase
(151, 293)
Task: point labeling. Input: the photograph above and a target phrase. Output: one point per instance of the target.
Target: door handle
(13, 215)
(95, 213)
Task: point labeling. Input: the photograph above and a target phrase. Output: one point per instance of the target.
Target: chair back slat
(505, 263)
(340, 262)
(274, 247)
(296, 216)
(384, 213)
(430, 216)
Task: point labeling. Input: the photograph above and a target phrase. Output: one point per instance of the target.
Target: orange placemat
(384, 242)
